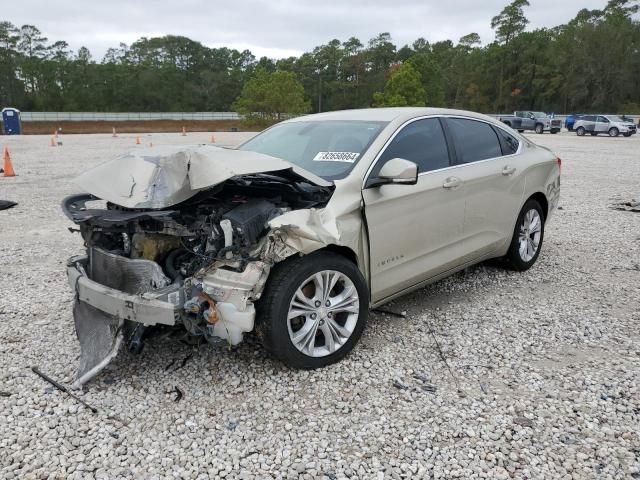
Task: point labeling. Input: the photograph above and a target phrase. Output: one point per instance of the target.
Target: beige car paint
(409, 242)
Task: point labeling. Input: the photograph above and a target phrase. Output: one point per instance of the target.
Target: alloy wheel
(530, 233)
(323, 313)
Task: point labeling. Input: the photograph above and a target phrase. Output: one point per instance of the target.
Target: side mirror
(532, 116)
(396, 171)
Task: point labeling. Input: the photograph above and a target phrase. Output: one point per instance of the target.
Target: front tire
(628, 134)
(539, 128)
(313, 310)
(528, 235)
(614, 132)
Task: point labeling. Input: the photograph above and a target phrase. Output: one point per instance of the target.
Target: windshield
(539, 114)
(330, 148)
(614, 118)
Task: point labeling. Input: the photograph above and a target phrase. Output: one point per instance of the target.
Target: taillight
(559, 163)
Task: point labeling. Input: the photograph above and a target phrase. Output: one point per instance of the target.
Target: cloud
(278, 28)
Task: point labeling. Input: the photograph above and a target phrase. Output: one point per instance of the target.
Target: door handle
(508, 170)
(452, 182)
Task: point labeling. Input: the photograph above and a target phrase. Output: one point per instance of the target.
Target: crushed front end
(198, 265)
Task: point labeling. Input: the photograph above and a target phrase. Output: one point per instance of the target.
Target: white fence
(124, 116)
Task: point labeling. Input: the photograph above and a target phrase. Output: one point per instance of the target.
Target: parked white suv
(610, 124)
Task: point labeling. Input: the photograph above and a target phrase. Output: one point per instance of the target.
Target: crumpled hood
(165, 176)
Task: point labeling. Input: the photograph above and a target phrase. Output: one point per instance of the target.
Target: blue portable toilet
(11, 121)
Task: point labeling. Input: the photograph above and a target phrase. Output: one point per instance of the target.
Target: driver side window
(421, 142)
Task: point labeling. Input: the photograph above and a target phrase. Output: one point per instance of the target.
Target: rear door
(415, 231)
(589, 123)
(492, 171)
(602, 124)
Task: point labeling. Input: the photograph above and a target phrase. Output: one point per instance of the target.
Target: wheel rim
(613, 132)
(323, 313)
(530, 233)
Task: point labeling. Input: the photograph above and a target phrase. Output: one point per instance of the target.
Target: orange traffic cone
(213, 139)
(137, 140)
(114, 132)
(6, 163)
(184, 132)
(53, 141)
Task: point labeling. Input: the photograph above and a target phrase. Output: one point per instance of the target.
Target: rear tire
(521, 131)
(554, 131)
(580, 131)
(614, 132)
(528, 235)
(539, 128)
(336, 317)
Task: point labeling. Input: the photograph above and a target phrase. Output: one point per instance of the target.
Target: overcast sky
(276, 28)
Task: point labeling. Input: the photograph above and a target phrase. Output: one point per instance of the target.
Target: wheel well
(345, 252)
(542, 200)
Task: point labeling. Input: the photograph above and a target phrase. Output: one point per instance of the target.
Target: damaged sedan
(298, 232)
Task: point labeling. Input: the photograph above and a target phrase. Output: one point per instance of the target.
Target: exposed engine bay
(200, 264)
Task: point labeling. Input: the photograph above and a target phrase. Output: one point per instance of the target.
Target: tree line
(591, 63)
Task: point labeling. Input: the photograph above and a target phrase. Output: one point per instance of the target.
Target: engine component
(250, 218)
(153, 246)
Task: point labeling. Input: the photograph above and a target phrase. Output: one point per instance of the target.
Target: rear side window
(421, 142)
(474, 141)
(508, 143)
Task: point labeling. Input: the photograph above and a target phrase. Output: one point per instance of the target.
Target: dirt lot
(541, 380)
(132, 126)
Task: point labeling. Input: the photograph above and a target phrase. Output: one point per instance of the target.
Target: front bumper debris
(100, 311)
(150, 308)
(116, 296)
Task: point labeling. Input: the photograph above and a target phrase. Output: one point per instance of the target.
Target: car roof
(388, 114)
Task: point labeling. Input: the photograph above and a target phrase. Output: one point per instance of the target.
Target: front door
(414, 230)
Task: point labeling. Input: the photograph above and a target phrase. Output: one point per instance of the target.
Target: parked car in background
(570, 121)
(539, 122)
(609, 124)
(301, 230)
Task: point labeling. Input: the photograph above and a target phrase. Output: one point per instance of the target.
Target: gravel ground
(541, 379)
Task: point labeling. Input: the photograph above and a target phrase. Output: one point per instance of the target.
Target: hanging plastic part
(227, 229)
